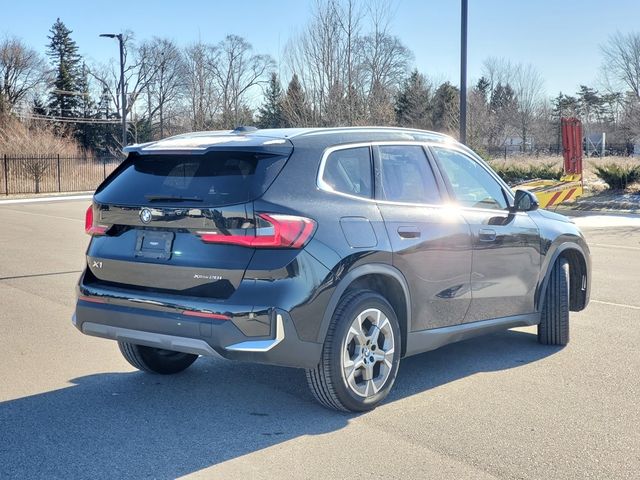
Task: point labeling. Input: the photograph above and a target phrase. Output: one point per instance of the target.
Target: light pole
(463, 71)
(122, 86)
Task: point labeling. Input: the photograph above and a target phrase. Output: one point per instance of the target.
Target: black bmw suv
(339, 251)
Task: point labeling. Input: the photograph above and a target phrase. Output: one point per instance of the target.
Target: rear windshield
(213, 179)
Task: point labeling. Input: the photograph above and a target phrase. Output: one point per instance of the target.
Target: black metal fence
(615, 149)
(53, 173)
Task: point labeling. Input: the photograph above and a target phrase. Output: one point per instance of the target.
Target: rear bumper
(157, 326)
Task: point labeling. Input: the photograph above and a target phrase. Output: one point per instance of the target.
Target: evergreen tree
(590, 104)
(38, 106)
(444, 114)
(63, 52)
(412, 103)
(611, 107)
(564, 106)
(483, 87)
(270, 114)
(503, 98)
(503, 107)
(295, 107)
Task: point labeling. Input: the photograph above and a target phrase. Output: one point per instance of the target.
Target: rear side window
(407, 176)
(213, 179)
(349, 171)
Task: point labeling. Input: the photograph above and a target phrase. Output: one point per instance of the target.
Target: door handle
(409, 232)
(487, 235)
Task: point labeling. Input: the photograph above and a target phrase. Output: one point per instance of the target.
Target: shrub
(617, 176)
(515, 173)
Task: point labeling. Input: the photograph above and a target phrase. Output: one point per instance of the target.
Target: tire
(358, 366)
(156, 360)
(554, 322)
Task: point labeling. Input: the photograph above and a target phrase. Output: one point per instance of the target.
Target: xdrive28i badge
(145, 215)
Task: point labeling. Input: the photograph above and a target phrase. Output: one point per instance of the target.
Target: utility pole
(463, 71)
(122, 85)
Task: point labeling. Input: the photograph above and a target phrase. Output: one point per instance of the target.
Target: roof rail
(244, 129)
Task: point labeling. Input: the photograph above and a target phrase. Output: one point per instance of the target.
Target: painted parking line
(35, 214)
(45, 199)
(623, 305)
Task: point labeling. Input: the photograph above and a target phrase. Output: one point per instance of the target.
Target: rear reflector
(282, 231)
(214, 316)
(90, 226)
(91, 299)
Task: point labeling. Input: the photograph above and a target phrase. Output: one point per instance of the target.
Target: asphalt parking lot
(499, 406)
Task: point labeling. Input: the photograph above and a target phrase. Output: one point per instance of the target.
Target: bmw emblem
(145, 215)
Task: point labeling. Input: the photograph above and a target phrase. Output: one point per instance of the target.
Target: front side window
(472, 185)
(349, 171)
(406, 175)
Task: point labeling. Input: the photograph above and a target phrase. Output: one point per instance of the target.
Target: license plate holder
(154, 245)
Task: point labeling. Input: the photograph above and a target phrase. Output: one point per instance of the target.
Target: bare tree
(478, 122)
(35, 168)
(22, 70)
(385, 64)
(516, 93)
(237, 71)
(528, 88)
(622, 60)
(350, 17)
(317, 57)
(165, 69)
(137, 75)
(498, 71)
(350, 76)
(622, 71)
(202, 91)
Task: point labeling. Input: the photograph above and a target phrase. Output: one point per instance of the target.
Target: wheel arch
(384, 279)
(579, 275)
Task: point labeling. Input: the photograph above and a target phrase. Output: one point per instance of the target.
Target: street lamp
(122, 86)
(463, 71)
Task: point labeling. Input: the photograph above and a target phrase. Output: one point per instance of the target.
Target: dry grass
(34, 138)
(41, 159)
(592, 182)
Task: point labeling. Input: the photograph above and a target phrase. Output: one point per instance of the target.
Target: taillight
(90, 226)
(84, 298)
(197, 313)
(275, 231)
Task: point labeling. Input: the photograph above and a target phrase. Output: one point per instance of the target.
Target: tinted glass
(349, 171)
(407, 175)
(472, 185)
(213, 179)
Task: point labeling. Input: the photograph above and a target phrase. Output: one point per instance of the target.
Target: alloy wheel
(367, 353)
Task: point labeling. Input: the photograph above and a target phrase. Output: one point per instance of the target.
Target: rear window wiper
(171, 198)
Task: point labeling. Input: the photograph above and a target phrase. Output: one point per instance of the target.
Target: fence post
(505, 152)
(59, 183)
(6, 175)
(104, 168)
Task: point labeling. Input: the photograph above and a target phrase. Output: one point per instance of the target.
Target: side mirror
(525, 201)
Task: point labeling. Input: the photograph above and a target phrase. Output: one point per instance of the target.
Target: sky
(561, 38)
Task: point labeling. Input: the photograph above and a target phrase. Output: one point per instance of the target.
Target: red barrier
(572, 145)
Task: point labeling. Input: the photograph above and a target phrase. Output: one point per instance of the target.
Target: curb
(594, 210)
